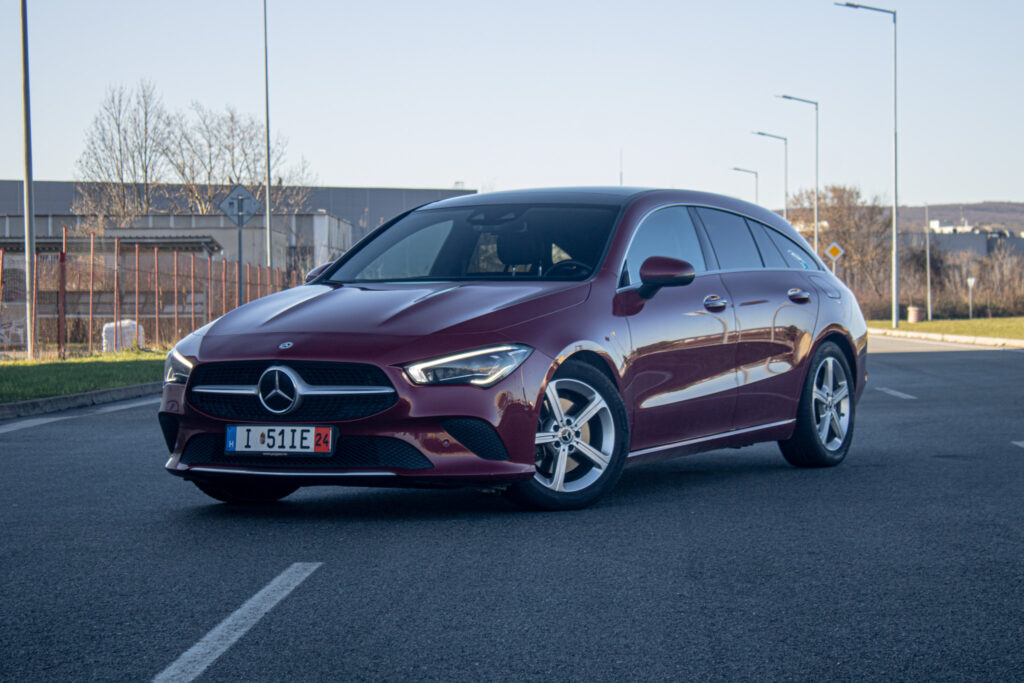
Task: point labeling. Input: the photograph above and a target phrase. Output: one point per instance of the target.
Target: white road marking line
(36, 421)
(1019, 443)
(897, 394)
(113, 408)
(196, 659)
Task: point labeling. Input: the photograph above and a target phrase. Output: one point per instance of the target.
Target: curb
(952, 338)
(38, 406)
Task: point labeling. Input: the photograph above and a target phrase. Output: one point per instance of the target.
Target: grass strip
(24, 380)
(1005, 328)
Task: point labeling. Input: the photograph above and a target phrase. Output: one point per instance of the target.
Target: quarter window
(731, 240)
(796, 256)
(666, 232)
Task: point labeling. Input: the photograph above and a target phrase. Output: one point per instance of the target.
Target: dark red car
(530, 341)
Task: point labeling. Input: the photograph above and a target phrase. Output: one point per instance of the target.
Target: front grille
(350, 452)
(333, 407)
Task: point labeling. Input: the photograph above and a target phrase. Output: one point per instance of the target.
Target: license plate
(272, 440)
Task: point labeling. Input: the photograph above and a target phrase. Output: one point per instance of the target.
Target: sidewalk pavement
(39, 406)
(953, 338)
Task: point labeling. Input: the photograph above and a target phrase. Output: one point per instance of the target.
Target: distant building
(335, 219)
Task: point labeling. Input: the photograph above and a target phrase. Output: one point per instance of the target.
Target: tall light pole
(30, 208)
(266, 98)
(785, 169)
(800, 99)
(747, 170)
(895, 168)
(928, 258)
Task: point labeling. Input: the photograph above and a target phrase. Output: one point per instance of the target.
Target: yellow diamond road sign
(834, 251)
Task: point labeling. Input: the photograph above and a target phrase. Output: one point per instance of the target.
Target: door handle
(713, 302)
(798, 296)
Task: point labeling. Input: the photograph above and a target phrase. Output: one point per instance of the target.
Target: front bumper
(433, 436)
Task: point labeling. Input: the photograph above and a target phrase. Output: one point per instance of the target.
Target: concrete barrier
(39, 406)
(952, 338)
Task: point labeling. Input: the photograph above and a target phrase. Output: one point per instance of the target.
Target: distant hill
(1008, 214)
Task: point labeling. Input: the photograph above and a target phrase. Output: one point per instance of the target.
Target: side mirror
(661, 271)
(316, 272)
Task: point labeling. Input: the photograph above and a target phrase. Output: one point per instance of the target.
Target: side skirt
(773, 431)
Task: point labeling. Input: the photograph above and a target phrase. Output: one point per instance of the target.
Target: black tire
(603, 434)
(819, 404)
(245, 492)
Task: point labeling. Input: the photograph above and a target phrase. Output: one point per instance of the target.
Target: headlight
(482, 367)
(176, 368)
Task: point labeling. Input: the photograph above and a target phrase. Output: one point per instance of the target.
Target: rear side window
(770, 254)
(666, 232)
(731, 239)
(796, 256)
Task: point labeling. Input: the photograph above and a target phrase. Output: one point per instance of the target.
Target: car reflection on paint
(534, 342)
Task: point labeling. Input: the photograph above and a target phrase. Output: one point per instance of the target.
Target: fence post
(175, 335)
(117, 294)
(259, 281)
(248, 283)
(35, 304)
(62, 283)
(137, 323)
(223, 286)
(1, 284)
(92, 281)
(209, 287)
(192, 288)
(238, 287)
(156, 296)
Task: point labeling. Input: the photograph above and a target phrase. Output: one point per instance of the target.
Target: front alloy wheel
(580, 445)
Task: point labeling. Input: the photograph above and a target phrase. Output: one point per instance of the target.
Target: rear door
(776, 310)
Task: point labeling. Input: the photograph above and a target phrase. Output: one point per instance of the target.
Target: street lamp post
(895, 167)
(30, 211)
(785, 169)
(800, 99)
(747, 170)
(266, 102)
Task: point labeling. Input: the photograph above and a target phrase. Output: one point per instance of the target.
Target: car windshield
(495, 242)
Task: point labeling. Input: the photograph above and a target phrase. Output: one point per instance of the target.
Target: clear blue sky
(503, 95)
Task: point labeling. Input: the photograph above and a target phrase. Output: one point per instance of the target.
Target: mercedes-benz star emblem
(285, 345)
(279, 389)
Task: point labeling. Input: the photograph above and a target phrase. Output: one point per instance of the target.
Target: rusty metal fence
(166, 293)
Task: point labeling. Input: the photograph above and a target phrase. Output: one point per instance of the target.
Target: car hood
(356, 320)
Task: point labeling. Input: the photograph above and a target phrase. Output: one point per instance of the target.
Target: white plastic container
(125, 336)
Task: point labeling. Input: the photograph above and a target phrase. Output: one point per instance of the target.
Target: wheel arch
(846, 347)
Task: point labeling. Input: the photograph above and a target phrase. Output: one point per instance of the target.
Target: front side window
(666, 232)
(494, 242)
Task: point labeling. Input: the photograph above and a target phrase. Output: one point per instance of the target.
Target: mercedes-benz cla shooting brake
(534, 342)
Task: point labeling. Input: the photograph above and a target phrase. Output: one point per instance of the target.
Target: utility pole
(266, 98)
(30, 208)
(928, 258)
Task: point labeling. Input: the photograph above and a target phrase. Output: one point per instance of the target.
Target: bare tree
(123, 159)
(860, 226)
(209, 152)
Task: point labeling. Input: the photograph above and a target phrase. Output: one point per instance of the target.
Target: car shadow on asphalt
(717, 474)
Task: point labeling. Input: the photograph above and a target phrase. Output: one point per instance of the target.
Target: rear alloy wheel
(245, 492)
(581, 441)
(824, 423)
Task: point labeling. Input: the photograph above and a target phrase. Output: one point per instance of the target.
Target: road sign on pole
(240, 205)
(834, 251)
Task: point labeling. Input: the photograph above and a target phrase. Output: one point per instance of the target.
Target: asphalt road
(903, 563)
